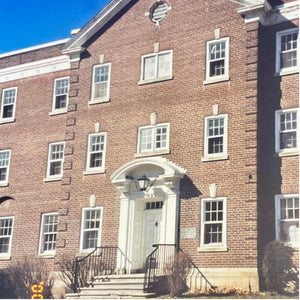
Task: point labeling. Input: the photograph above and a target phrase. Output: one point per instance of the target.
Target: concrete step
(114, 287)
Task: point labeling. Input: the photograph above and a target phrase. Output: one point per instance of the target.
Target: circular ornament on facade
(158, 11)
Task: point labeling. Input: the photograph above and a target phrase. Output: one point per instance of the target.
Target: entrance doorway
(152, 226)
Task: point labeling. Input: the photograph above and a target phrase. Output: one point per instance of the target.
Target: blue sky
(26, 23)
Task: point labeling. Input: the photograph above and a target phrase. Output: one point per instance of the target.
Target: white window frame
(286, 151)
(153, 150)
(56, 176)
(156, 78)
(101, 169)
(12, 118)
(8, 254)
(278, 218)
(82, 230)
(288, 70)
(225, 76)
(213, 246)
(100, 99)
(42, 235)
(65, 109)
(215, 156)
(5, 182)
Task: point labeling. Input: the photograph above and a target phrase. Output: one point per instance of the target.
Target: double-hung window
(156, 66)
(286, 51)
(101, 83)
(287, 219)
(213, 223)
(215, 137)
(153, 138)
(6, 231)
(91, 228)
(8, 105)
(217, 60)
(4, 167)
(286, 131)
(60, 95)
(48, 233)
(96, 152)
(55, 160)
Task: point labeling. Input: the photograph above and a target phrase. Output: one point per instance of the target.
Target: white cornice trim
(248, 2)
(268, 15)
(35, 68)
(34, 48)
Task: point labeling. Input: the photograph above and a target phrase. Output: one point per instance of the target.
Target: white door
(151, 230)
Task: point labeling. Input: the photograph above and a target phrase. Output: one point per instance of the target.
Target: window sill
(213, 249)
(216, 80)
(5, 257)
(92, 172)
(286, 72)
(152, 153)
(7, 121)
(3, 184)
(290, 153)
(46, 255)
(54, 113)
(52, 179)
(153, 80)
(98, 101)
(214, 158)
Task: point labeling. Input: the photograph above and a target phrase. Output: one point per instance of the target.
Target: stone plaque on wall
(188, 233)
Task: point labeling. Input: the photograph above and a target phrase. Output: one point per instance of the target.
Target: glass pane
(164, 64)
(288, 140)
(55, 168)
(100, 90)
(61, 102)
(8, 111)
(149, 67)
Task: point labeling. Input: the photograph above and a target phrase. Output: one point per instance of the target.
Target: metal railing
(162, 255)
(159, 263)
(195, 278)
(101, 261)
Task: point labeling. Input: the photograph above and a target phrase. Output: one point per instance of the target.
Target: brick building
(201, 97)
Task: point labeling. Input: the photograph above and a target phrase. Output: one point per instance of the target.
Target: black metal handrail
(196, 277)
(101, 261)
(162, 254)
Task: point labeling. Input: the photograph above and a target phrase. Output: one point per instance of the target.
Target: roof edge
(93, 26)
(33, 48)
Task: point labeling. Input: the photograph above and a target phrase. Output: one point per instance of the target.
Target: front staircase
(95, 274)
(114, 287)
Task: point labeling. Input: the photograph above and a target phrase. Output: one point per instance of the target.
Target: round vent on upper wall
(158, 11)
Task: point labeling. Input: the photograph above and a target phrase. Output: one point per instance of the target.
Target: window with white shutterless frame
(4, 166)
(156, 66)
(48, 233)
(153, 138)
(91, 226)
(60, 95)
(215, 137)
(286, 131)
(101, 83)
(287, 51)
(96, 153)
(213, 224)
(287, 219)
(217, 60)
(55, 160)
(6, 233)
(8, 105)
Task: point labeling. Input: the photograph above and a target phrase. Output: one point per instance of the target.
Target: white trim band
(36, 68)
